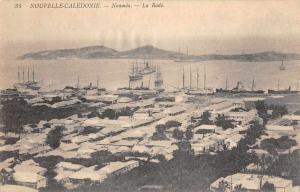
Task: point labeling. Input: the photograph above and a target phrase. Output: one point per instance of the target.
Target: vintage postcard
(149, 96)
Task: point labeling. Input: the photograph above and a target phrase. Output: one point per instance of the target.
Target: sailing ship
(135, 73)
(282, 67)
(197, 90)
(29, 84)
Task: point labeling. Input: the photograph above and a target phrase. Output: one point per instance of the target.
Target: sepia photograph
(149, 96)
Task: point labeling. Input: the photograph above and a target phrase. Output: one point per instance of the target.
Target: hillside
(102, 52)
(92, 52)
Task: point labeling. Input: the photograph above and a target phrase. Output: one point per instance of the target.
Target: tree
(159, 134)
(255, 131)
(178, 134)
(223, 122)
(268, 187)
(184, 151)
(54, 136)
(160, 128)
(272, 144)
(262, 110)
(278, 110)
(14, 115)
(109, 113)
(92, 114)
(189, 134)
(255, 159)
(205, 118)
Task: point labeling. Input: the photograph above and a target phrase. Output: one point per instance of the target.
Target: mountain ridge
(103, 52)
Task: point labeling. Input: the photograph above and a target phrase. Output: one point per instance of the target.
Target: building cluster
(253, 177)
(121, 124)
(251, 182)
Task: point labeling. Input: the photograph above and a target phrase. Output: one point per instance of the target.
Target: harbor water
(113, 73)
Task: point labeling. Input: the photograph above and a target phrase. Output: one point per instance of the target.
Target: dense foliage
(221, 121)
(54, 136)
(283, 142)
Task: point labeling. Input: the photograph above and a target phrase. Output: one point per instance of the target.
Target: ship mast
(204, 80)
(149, 81)
(132, 69)
(77, 81)
(27, 74)
(33, 73)
(190, 77)
(197, 78)
(152, 59)
(131, 73)
(23, 75)
(278, 85)
(253, 84)
(97, 81)
(298, 85)
(19, 74)
(179, 51)
(183, 78)
(226, 83)
(129, 84)
(137, 68)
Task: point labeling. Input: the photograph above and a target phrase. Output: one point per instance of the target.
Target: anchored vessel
(240, 89)
(135, 73)
(30, 83)
(282, 67)
(283, 91)
(197, 91)
(148, 67)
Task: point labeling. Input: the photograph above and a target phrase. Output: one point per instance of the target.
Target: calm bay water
(113, 73)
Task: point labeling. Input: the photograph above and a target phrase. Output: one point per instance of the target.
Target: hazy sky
(203, 26)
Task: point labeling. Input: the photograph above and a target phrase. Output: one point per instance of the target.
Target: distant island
(102, 52)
